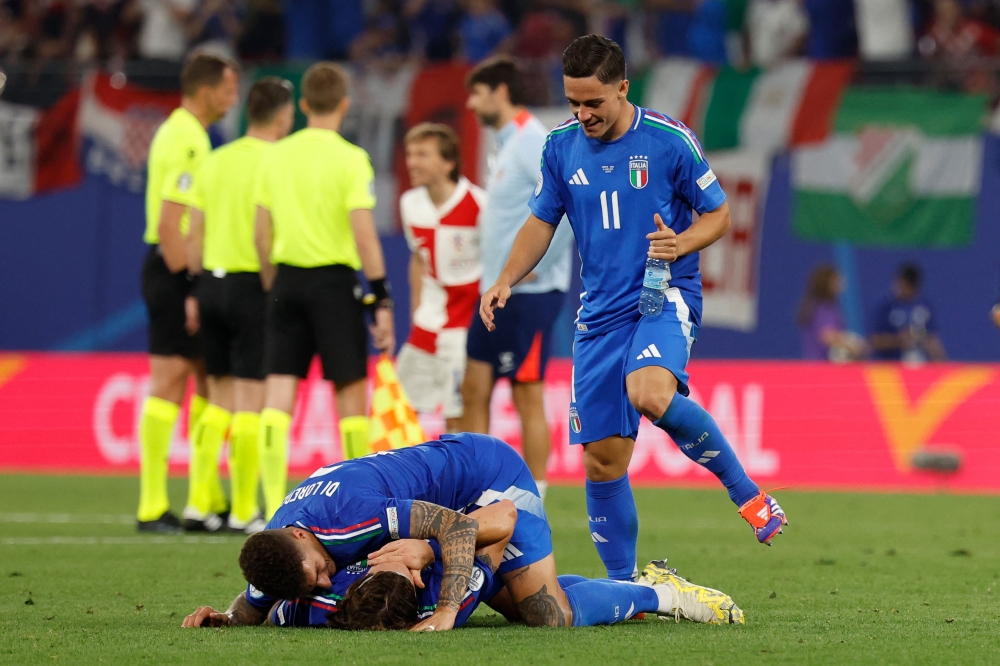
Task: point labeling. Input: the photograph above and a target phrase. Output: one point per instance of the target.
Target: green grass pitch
(857, 578)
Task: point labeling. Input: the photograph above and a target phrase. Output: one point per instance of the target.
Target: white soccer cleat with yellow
(679, 598)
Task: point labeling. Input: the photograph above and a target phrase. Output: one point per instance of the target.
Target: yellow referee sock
(243, 465)
(156, 426)
(272, 444)
(206, 442)
(354, 436)
(195, 410)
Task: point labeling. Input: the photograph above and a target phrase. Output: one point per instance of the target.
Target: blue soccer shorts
(520, 346)
(506, 476)
(599, 404)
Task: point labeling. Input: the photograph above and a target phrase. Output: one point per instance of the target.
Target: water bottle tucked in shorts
(654, 281)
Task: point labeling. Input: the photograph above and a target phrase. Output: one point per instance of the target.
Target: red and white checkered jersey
(447, 239)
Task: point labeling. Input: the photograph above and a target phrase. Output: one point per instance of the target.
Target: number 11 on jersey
(614, 209)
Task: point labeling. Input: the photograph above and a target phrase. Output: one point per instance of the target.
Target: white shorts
(435, 380)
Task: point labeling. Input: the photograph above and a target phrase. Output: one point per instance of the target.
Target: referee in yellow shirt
(209, 87)
(231, 311)
(315, 228)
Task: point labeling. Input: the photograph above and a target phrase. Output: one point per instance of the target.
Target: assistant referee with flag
(315, 230)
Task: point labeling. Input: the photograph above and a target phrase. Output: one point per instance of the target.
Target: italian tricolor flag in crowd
(786, 106)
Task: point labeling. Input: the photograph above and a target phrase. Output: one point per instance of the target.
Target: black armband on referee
(381, 296)
(192, 280)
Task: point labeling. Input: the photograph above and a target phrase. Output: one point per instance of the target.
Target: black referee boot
(165, 524)
(210, 522)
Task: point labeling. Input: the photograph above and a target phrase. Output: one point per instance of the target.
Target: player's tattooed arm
(456, 535)
(541, 610)
(240, 613)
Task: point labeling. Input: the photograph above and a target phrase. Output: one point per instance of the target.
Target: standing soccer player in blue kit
(628, 179)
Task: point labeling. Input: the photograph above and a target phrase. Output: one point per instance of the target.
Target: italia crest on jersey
(574, 420)
(638, 172)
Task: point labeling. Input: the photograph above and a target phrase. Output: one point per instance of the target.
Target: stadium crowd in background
(825, 335)
(736, 32)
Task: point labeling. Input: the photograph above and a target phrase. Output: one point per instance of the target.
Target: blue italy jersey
(610, 191)
(312, 610)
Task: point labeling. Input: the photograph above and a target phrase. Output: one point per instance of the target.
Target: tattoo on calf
(541, 610)
(456, 535)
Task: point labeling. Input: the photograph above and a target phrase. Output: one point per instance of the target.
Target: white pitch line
(69, 518)
(116, 541)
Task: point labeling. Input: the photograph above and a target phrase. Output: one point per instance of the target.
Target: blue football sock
(602, 601)
(697, 434)
(614, 525)
(566, 580)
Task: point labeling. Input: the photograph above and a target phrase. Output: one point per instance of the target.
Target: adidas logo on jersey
(649, 352)
(579, 178)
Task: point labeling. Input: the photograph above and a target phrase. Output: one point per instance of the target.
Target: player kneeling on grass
(345, 512)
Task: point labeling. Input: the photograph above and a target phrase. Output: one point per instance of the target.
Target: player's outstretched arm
(239, 614)
(708, 228)
(456, 535)
(529, 247)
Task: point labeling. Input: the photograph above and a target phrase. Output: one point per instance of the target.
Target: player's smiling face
(596, 105)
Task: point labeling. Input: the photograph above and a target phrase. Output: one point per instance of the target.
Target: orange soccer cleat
(765, 517)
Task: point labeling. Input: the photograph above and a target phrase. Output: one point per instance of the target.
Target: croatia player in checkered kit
(441, 222)
(628, 178)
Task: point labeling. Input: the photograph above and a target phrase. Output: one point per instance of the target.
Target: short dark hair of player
(911, 275)
(204, 69)
(267, 96)
(594, 55)
(324, 87)
(271, 562)
(384, 601)
(447, 141)
(495, 71)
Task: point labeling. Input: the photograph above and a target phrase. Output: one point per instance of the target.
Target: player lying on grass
(496, 525)
(345, 511)
(400, 584)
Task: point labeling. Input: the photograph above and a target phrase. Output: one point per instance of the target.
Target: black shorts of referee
(232, 308)
(164, 293)
(317, 311)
